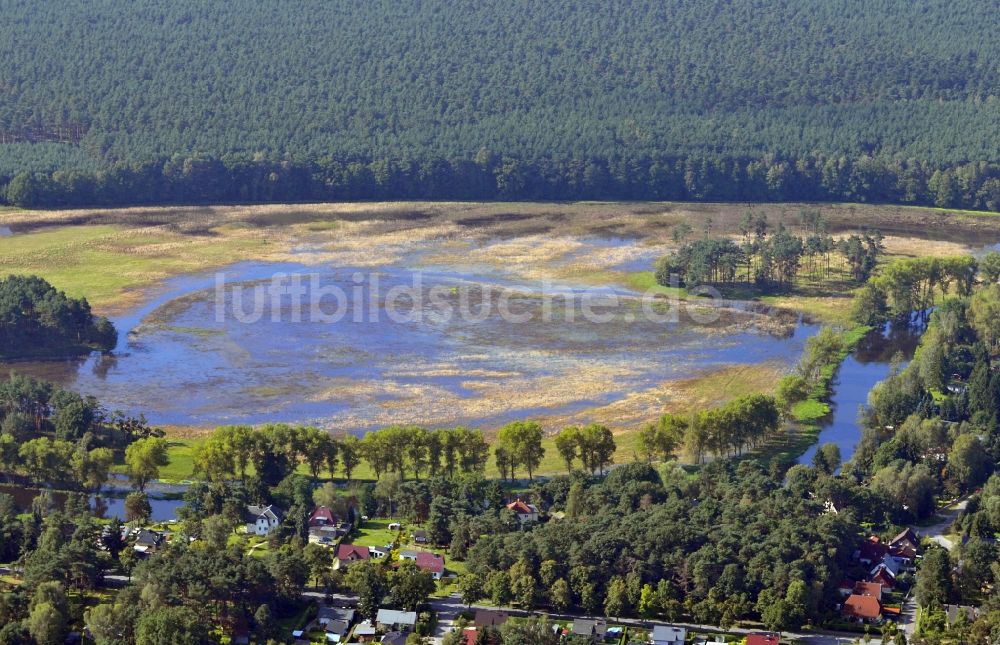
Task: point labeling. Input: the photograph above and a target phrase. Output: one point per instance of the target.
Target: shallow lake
(409, 342)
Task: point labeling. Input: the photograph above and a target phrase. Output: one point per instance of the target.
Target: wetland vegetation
(586, 248)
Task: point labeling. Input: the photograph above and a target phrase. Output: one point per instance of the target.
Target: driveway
(936, 531)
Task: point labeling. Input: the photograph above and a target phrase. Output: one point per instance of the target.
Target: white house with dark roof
(261, 520)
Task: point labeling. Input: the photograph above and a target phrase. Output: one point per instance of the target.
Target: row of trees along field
(37, 319)
(768, 258)
(237, 178)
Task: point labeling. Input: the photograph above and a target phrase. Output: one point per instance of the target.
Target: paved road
(936, 532)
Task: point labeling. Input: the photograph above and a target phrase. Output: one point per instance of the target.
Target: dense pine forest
(874, 100)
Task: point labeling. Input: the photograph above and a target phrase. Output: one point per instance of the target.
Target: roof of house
(322, 516)
(335, 613)
(906, 535)
(365, 629)
(903, 550)
(867, 607)
(883, 576)
(485, 617)
(588, 627)
(873, 549)
(889, 565)
(419, 533)
(272, 513)
(868, 589)
(395, 638)
(522, 508)
(668, 633)
(338, 627)
(148, 538)
(395, 617)
(432, 562)
(352, 552)
(763, 639)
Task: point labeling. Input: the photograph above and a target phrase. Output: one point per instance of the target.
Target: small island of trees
(36, 319)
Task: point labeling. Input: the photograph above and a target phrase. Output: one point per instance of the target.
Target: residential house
(667, 635)
(889, 564)
(906, 537)
(322, 516)
(764, 638)
(594, 629)
(393, 620)
(968, 613)
(365, 632)
(863, 609)
(884, 577)
(336, 621)
(147, 542)
(348, 554)
(905, 546)
(328, 535)
(869, 589)
(525, 512)
(394, 638)
(490, 618)
(379, 551)
(426, 561)
(324, 535)
(419, 536)
(872, 551)
(261, 520)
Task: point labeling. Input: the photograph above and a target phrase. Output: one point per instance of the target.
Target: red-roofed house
(431, 562)
(425, 561)
(872, 551)
(525, 512)
(322, 516)
(349, 553)
(869, 589)
(762, 639)
(864, 609)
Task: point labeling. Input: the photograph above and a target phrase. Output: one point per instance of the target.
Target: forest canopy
(258, 101)
(37, 319)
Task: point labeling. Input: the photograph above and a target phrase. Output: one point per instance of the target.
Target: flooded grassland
(487, 323)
